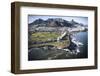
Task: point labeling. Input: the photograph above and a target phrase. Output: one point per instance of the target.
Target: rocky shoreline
(52, 52)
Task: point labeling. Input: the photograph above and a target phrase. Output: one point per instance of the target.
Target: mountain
(38, 21)
(53, 22)
(73, 22)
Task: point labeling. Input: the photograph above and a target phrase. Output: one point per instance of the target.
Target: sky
(83, 20)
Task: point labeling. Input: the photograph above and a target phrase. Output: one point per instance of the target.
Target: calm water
(83, 37)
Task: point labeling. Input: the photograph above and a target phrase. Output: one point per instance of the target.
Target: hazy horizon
(83, 20)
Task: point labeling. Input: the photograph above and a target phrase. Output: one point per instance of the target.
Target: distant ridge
(53, 22)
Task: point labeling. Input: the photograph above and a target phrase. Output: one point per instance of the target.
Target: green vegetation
(61, 44)
(44, 36)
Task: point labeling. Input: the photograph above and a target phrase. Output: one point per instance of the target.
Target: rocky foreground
(50, 53)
